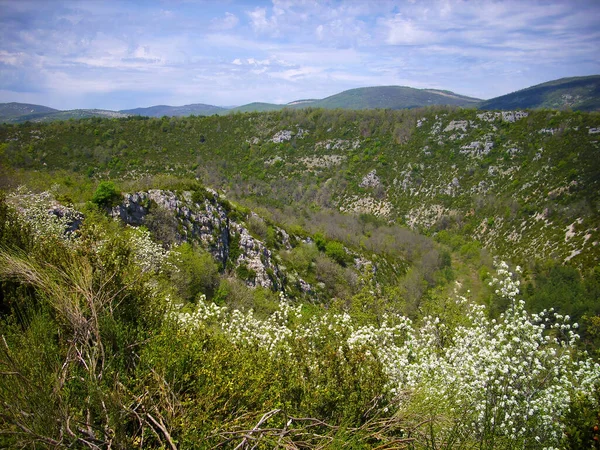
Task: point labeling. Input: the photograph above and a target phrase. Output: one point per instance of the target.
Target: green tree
(336, 251)
(197, 272)
(106, 194)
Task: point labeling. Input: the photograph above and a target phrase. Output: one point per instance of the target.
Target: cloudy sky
(125, 54)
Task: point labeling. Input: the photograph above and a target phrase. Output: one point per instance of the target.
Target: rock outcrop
(205, 220)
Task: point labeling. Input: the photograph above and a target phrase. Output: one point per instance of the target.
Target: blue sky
(126, 54)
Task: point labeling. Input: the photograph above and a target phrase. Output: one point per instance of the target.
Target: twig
(263, 419)
(161, 427)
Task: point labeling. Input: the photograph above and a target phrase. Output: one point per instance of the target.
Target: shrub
(196, 272)
(336, 251)
(106, 194)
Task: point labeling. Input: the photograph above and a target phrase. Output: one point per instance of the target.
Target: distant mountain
(391, 97)
(197, 109)
(13, 110)
(257, 107)
(578, 93)
(65, 115)
(383, 97)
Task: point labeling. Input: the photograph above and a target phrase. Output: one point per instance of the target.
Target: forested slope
(309, 278)
(525, 184)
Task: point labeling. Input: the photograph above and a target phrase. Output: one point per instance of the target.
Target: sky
(126, 54)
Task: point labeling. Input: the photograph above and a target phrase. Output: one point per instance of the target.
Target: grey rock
(206, 223)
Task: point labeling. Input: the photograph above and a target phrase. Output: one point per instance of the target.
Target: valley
(376, 237)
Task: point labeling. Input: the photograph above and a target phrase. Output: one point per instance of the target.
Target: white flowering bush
(496, 382)
(243, 328)
(149, 255)
(46, 217)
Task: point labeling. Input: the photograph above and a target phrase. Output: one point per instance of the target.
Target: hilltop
(197, 109)
(378, 97)
(9, 111)
(391, 97)
(577, 93)
(44, 114)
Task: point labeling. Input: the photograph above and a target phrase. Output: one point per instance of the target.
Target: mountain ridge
(578, 93)
(199, 109)
(14, 109)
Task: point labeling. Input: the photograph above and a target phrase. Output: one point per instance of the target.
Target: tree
(106, 194)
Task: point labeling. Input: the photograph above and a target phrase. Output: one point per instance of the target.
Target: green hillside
(10, 111)
(393, 97)
(148, 264)
(257, 107)
(197, 109)
(577, 93)
(64, 115)
(491, 175)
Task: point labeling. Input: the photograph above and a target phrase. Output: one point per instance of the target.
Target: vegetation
(99, 349)
(197, 109)
(258, 107)
(339, 287)
(577, 93)
(106, 194)
(393, 97)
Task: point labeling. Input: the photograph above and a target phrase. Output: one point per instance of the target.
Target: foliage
(336, 251)
(96, 352)
(106, 194)
(501, 382)
(115, 336)
(195, 272)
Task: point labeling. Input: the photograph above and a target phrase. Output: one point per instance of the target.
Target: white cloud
(259, 62)
(296, 74)
(229, 52)
(259, 21)
(12, 58)
(404, 31)
(225, 23)
(319, 32)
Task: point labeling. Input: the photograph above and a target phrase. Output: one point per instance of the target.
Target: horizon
(281, 104)
(126, 55)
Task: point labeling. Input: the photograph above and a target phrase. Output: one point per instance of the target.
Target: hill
(392, 97)
(513, 180)
(12, 110)
(349, 252)
(197, 109)
(257, 107)
(577, 93)
(379, 97)
(55, 115)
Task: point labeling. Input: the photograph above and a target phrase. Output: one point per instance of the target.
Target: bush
(197, 272)
(336, 251)
(162, 223)
(106, 194)
(245, 273)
